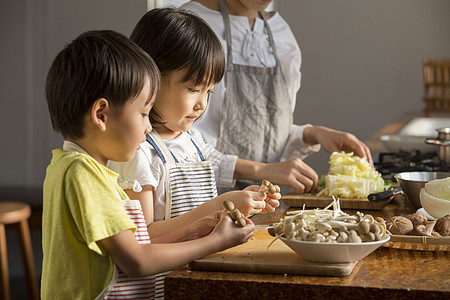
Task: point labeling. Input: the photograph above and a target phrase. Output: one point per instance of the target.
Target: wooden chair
(436, 75)
(12, 213)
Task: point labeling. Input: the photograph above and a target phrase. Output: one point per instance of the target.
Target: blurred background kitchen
(362, 69)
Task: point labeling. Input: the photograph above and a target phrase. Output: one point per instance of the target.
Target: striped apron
(187, 186)
(124, 287)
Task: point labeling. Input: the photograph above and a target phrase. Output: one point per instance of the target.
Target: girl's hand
(271, 201)
(228, 234)
(249, 201)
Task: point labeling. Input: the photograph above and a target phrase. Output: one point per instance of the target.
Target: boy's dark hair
(97, 64)
(177, 39)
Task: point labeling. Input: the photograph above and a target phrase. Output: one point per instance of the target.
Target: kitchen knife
(385, 195)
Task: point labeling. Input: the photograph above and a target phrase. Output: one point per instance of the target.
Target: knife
(385, 195)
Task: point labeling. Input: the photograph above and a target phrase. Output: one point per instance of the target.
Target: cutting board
(254, 257)
(311, 200)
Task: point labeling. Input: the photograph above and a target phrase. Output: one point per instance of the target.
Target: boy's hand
(271, 201)
(228, 234)
(203, 226)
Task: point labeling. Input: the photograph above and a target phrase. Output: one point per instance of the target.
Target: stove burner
(390, 163)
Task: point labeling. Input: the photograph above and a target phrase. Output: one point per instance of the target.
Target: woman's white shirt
(252, 48)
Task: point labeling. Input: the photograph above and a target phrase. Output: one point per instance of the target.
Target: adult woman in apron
(250, 114)
(254, 96)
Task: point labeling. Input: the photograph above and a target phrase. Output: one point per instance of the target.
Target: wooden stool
(10, 213)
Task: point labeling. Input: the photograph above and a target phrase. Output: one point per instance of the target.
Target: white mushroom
(343, 237)
(353, 237)
(318, 237)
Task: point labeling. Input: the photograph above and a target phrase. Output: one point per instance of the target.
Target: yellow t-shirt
(81, 207)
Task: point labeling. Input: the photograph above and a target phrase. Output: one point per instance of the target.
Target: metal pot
(443, 141)
(412, 182)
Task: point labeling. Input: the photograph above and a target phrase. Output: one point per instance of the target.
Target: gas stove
(390, 163)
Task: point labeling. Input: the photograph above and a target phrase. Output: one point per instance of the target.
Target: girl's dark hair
(178, 39)
(97, 64)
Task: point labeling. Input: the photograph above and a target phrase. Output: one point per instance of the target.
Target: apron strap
(161, 155)
(198, 149)
(226, 21)
(163, 152)
(271, 40)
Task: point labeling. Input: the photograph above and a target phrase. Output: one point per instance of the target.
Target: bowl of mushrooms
(330, 235)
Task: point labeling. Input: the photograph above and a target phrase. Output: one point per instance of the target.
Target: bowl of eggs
(330, 235)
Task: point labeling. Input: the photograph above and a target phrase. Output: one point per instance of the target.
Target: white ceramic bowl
(333, 252)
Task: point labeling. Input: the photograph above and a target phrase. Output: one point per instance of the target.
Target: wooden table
(385, 274)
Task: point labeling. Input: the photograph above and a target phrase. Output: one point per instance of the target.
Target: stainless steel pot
(443, 141)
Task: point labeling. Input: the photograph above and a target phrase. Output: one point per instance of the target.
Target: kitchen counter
(385, 274)
(374, 143)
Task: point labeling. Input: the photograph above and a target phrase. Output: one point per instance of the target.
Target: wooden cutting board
(313, 201)
(254, 257)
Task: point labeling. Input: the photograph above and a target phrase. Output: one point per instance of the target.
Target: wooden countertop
(385, 274)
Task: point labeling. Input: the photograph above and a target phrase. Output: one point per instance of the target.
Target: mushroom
(323, 227)
(288, 228)
(369, 237)
(399, 225)
(343, 237)
(317, 237)
(417, 219)
(443, 226)
(304, 234)
(423, 230)
(353, 237)
(364, 227)
(269, 188)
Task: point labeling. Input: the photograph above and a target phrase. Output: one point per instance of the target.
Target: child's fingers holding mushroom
(271, 204)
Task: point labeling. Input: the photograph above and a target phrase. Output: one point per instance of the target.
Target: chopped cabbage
(351, 176)
(439, 188)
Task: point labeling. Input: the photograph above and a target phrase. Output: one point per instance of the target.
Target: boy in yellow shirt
(100, 89)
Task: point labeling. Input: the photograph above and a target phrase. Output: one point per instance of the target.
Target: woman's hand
(334, 140)
(294, 173)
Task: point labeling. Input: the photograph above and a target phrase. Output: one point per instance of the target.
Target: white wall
(362, 65)
(362, 60)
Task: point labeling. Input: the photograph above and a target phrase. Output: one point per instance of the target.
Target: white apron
(187, 186)
(257, 113)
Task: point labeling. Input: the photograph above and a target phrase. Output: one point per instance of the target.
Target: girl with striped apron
(188, 185)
